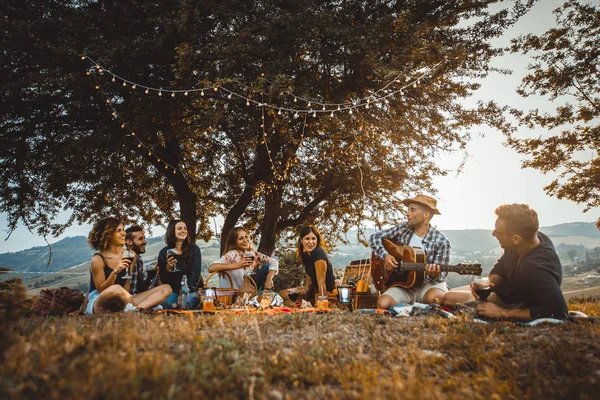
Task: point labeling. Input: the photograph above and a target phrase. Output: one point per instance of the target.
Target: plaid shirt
(136, 274)
(435, 244)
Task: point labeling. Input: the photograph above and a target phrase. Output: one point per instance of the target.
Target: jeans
(171, 302)
(260, 277)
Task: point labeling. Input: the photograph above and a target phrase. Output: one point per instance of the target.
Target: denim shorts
(92, 296)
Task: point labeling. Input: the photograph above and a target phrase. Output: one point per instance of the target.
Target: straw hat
(425, 200)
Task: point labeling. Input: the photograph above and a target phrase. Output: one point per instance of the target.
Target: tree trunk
(187, 203)
(268, 231)
(235, 213)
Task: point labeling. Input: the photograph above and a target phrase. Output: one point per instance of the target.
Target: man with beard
(526, 279)
(416, 232)
(136, 242)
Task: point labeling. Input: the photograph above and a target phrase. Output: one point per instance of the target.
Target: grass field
(339, 355)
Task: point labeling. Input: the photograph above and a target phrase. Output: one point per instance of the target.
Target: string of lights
(125, 125)
(312, 106)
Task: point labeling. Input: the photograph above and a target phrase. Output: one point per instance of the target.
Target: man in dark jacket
(526, 279)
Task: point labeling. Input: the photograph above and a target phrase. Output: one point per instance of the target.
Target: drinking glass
(249, 255)
(484, 291)
(127, 255)
(173, 253)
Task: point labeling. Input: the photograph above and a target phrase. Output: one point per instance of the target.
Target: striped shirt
(435, 244)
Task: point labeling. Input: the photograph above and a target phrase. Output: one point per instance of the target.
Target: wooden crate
(364, 301)
(359, 269)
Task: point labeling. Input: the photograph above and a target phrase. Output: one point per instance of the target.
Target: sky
(491, 176)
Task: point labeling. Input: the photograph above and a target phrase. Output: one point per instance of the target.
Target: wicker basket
(248, 286)
(225, 296)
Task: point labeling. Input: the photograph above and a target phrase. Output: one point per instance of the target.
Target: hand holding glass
(481, 287)
(127, 255)
(173, 253)
(249, 255)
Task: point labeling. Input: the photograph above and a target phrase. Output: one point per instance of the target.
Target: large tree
(402, 67)
(566, 71)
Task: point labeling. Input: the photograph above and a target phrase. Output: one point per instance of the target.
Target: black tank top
(107, 272)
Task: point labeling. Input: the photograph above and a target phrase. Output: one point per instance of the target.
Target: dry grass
(299, 356)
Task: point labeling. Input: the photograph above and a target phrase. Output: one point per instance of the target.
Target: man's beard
(139, 250)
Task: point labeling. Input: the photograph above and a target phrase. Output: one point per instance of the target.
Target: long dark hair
(99, 237)
(230, 243)
(305, 230)
(170, 239)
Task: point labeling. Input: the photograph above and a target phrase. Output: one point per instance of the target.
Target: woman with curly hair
(109, 290)
(187, 259)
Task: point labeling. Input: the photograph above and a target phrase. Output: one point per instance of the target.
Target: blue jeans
(171, 302)
(260, 277)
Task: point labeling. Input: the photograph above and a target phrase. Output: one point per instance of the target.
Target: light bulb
(186, 93)
(202, 92)
(173, 94)
(124, 83)
(88, 73)
(160, 93)
(133, 87)
(229, 96)
(132, 133)
(139, 145)
(308, 104)
(113, 79)
(331, 115)
(295, 100)
(146, 91)
(247, 102)
(279, 112)
(215, 88)
(83, 57)
(350, 112)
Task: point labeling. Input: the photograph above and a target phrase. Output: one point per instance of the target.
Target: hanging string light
(378, 96)
(132, 134)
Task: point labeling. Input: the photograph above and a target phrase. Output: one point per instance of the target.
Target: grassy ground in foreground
(299, 356)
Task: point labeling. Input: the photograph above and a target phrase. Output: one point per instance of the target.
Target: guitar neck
(410, 266)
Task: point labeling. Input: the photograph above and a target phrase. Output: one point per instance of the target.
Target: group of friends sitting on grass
(524, 282)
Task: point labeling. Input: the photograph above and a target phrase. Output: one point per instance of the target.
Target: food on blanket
(265, 303)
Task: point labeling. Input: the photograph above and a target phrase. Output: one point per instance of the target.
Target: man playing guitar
(416, 232)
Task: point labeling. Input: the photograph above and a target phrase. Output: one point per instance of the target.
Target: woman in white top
(240, 259)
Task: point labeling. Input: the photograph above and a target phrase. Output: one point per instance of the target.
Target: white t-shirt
(416, 241)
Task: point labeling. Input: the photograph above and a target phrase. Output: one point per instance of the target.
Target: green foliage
(291, 272)
(565, 71)
(60, 148)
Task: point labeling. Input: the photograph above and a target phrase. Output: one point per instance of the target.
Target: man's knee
(434, 296)
(385, 302)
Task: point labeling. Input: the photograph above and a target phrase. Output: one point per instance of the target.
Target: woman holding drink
(310, 250)
(109, 273)
(180, 257)
(240, 259)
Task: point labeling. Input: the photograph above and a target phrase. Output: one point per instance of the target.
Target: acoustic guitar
(411, 267)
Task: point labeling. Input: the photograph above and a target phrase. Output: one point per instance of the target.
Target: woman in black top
(188, 261)
(109, 291)
(310, 250)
